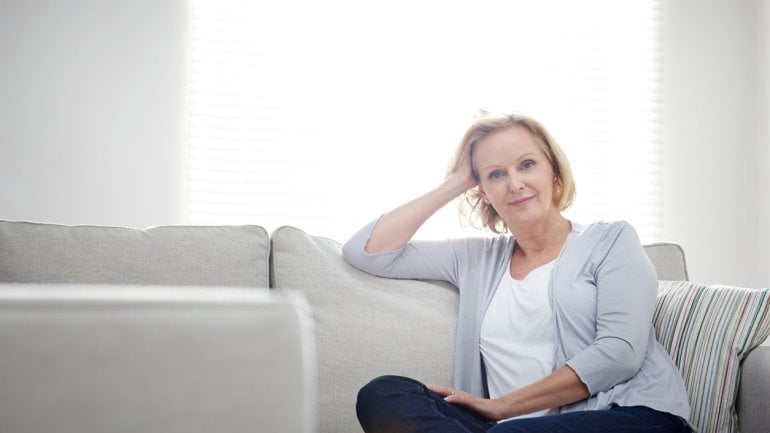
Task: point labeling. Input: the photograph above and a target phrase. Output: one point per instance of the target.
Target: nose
(516, 183)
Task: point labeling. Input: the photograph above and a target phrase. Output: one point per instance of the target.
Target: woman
(555, 318)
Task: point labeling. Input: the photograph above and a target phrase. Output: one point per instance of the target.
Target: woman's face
(515, 177)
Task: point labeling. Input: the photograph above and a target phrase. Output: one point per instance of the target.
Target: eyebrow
(519, 159)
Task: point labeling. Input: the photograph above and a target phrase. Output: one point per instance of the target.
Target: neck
(539, 238)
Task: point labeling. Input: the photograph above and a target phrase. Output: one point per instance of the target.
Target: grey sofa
(174, 329)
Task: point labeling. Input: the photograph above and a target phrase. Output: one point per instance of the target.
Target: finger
(460, 398)
(443, 391)
(453, 398)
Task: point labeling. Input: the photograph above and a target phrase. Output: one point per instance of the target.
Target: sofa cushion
(170, 255)
(365, 326)
(708, 330)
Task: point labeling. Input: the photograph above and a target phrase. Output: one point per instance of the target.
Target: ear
(483, 194)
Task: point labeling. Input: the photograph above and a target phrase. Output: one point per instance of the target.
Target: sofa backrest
(668, 260)
(364, 325)
(170, 255)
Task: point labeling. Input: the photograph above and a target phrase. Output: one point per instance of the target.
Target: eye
(526, 165)
(496, 174)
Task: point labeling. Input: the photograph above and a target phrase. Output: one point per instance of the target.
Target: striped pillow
(708, 330)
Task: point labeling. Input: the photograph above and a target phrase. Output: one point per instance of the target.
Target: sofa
(231, 329)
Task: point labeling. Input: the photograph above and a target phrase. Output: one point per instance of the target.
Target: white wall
(92, 122)
(763, 144)
(711, 138)
(92, 111)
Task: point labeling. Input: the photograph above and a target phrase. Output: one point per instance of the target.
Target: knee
(385, 386)
(380, 398)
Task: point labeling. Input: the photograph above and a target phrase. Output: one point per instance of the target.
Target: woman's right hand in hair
(395, 228)
(462, 171)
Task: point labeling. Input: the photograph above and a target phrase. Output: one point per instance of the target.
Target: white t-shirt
(518, 333)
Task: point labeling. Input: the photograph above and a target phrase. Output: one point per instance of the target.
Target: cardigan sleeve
(626, 288)
(420, 260)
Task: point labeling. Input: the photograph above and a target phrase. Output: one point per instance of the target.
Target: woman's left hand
(561, 387)
(490, 409)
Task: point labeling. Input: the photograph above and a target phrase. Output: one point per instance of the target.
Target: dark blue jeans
(394, 404)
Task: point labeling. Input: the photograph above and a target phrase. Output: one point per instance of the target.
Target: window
(323, 115)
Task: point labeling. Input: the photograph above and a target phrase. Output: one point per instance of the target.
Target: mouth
(521, 201)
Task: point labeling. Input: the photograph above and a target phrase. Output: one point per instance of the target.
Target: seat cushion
(170, 255)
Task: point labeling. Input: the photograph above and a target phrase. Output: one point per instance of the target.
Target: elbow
(627, 360)
(355, 254)
(607, 364)
(627, 371)
(351, 253)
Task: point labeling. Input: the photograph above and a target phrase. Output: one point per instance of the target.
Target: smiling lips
(521, 202)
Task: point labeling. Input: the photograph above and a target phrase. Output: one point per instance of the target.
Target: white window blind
(323, 115)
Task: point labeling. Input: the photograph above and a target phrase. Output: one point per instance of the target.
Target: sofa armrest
(153, 359)
(754, 391)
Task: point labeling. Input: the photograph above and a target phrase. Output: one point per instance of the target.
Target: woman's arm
(559, 388)
(626, 288)
(395, 228)
(384, 247)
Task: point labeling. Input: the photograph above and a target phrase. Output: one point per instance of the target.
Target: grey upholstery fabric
(170, 255)
(754, 391)
(365, 326)
(668, 260)
(122, 359)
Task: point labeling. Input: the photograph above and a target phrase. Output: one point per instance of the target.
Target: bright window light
(323, 115)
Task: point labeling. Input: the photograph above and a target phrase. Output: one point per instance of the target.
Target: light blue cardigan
(603, 291)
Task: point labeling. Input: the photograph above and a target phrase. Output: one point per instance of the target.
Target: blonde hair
(472, 204)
